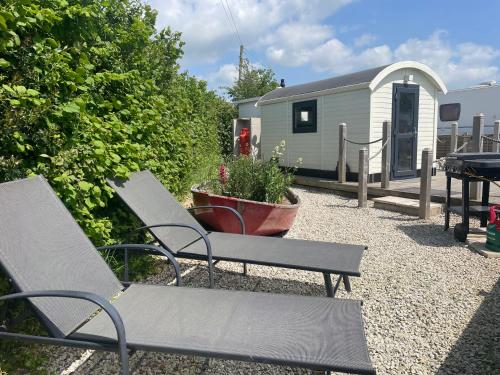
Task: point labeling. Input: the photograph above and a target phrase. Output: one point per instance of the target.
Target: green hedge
(89, 89)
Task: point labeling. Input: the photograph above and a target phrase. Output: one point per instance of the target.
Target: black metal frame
(108, 308)
(398, 88)
(238, 216)
(235, 212)
(202, 235)
(332, 290)
(139, 248)
(462, 230)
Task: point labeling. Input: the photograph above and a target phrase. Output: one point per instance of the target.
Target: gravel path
(431, 306)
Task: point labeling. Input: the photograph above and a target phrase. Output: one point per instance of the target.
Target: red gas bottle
(245, 141)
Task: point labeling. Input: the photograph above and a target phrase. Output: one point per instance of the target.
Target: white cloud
(364, 40)
(290, 44)
(225, 76)
(295, 33)
(332, 56)
(375, 56)
(209, 36)
(459, 65)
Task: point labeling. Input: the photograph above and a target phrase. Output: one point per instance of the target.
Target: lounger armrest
(108, 308)
(232, 210)
(139, 248)
(202, 235)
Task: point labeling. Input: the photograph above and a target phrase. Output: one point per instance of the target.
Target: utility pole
(241, 63)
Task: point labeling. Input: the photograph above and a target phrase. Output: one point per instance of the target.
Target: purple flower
(223, 174)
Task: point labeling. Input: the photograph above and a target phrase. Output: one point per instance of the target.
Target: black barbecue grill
(470, 167)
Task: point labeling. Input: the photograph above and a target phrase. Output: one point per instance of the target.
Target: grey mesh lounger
(179, 233)
(52, 263)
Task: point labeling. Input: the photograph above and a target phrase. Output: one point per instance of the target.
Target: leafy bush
(227, 113)
(89, 89)
(248, 178)
(254, 81)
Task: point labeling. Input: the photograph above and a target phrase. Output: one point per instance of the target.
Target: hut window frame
(305, 119)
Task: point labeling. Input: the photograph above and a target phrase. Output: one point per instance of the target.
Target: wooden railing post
(363, 178)
(425, 184)
(477, 146)
(341, 169)
(454, 137)
(496, 136)
(385, 178)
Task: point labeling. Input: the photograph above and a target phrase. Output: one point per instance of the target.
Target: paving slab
(476, 240)
(404, 205)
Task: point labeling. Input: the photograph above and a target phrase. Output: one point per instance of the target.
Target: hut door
(404, 131)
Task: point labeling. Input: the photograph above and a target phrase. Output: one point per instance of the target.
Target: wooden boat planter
(260, 218)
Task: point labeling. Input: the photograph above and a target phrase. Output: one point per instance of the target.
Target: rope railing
(490, 139)
(381, 149)
(461, 147)
(362, 143)
(364, 159)
(439, 140)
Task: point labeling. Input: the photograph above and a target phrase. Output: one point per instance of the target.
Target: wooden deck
(402, 188)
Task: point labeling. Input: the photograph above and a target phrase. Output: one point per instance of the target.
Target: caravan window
(304, 117)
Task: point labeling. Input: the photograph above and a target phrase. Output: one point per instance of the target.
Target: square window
(304, 117)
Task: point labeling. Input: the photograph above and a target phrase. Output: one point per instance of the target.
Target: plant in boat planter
(243, 182)
(248, 178)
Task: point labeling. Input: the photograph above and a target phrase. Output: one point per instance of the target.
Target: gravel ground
(431, 306)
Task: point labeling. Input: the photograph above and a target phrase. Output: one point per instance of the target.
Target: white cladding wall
(318, 150)
(381, 110)
(248, 110)
(353, 108)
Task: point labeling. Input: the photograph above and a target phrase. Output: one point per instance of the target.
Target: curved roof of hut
(367, 78)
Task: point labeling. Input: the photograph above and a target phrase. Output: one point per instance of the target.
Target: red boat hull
(260, 218)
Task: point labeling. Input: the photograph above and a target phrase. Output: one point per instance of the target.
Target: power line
(234, 22)
(229, 19)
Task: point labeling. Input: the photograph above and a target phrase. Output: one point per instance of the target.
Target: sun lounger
(179, 233)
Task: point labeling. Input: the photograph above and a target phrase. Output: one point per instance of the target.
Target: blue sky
(306, 40)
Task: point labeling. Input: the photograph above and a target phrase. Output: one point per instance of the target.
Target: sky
(308, 40)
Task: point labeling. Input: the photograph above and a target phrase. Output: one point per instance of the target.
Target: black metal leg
(347, 283)
(244, 269)
(328, 285)
(330, 289)
(462, 229)
(448, 203)
(484, 202)
(465, 205)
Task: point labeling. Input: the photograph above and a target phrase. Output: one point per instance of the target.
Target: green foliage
(19, 318)
(247, 178)
(89, 89)
(227, 113)
(254, 82)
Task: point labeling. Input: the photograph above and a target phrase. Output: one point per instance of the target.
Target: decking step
(404, 205)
